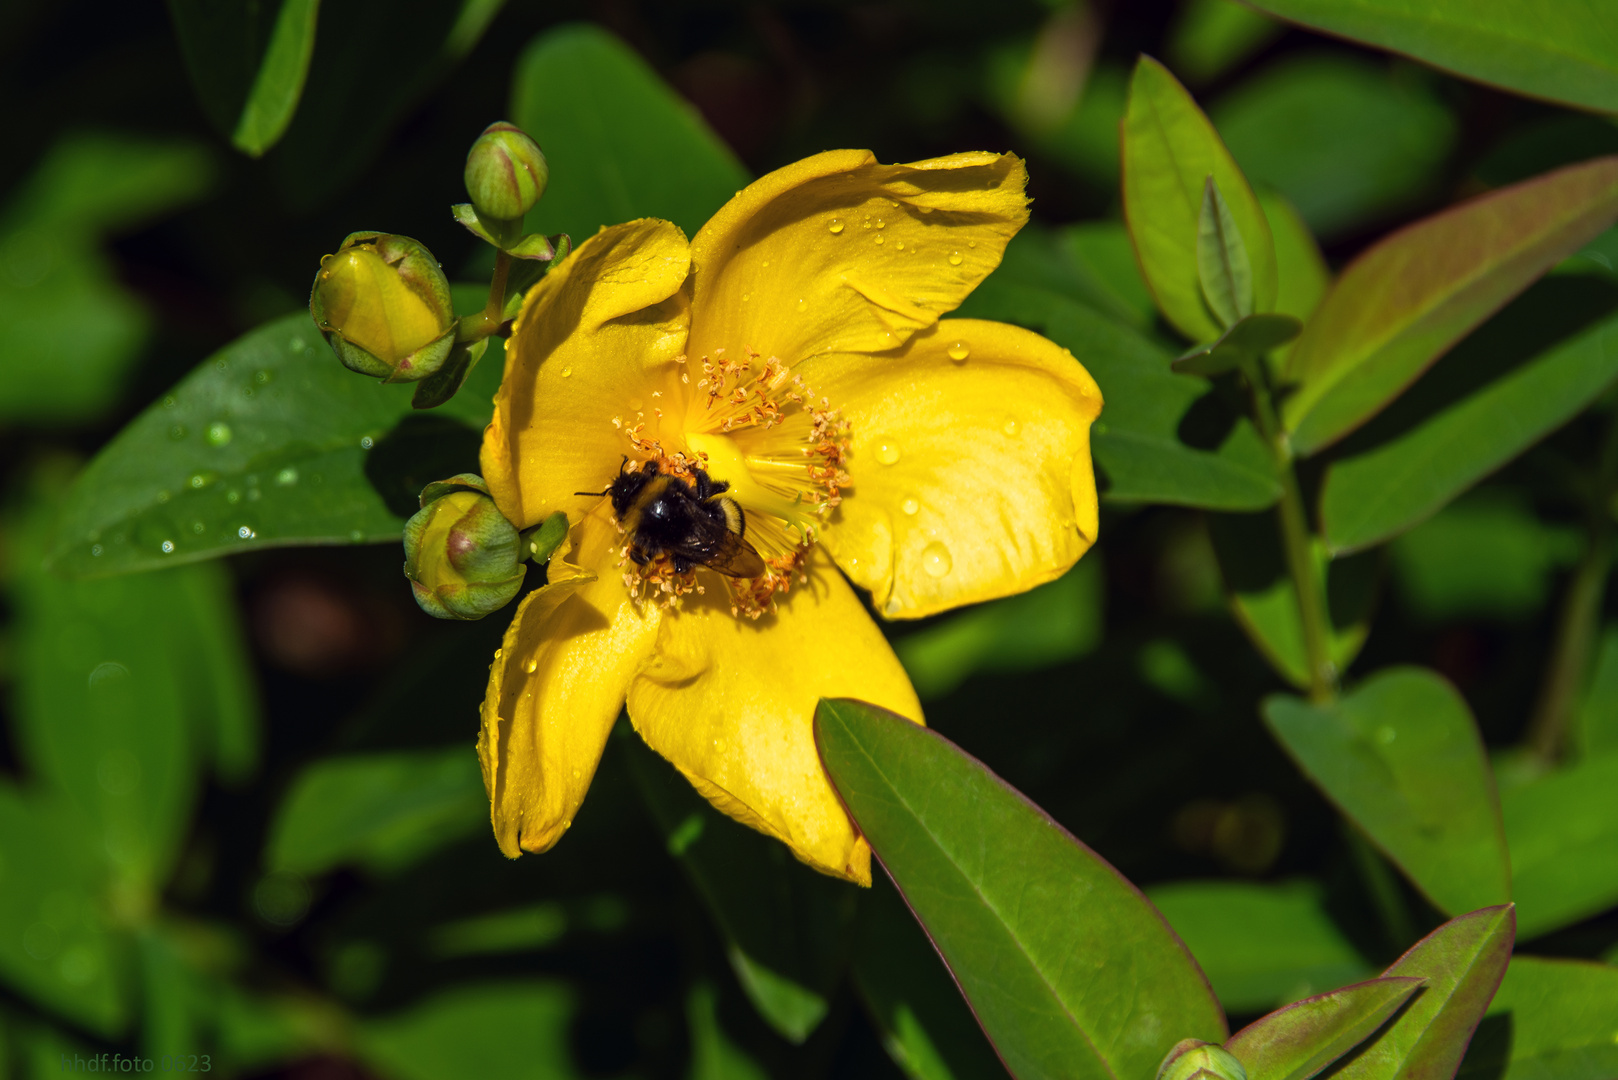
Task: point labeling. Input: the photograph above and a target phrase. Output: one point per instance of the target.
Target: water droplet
(971, 243)
(910, 506)
(297, 344)
(366, 442)
(955, 258)
(899, 245)
(254, 495)
(935, 559)
(218, 433)
(163, 496)
(531, 667)
(177, 432)
(287, 476)
(879, 239)
(636, 403)
(198, 527)
(168, 547)
(567, 373)
(719, 745)
(263, 377)
(803, 305)
(958, 351)
(881, 224)
(1011, 427)
(1386, 734)
(887, 451)
(169, 402)
(356, 536)
(245, 533)
(233, 496)
(835, 225)
(95, 551)
(203, 479)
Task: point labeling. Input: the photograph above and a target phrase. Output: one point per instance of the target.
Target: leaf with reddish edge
(1298, 1041)
(1406, 300)
(1070, 970)
(1170, 150)
(1463, 962)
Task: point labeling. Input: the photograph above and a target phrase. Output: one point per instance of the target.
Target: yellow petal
(970, 466)
(555, 689)
(840, 253)
(731, 703)
(596, 338)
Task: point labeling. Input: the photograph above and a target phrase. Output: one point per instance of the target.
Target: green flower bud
(463, 558)
(1193, 1059)
(505, 173)
(384, 305)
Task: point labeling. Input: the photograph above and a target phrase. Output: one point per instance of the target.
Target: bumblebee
(692, 523)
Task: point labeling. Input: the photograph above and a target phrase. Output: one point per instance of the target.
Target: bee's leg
(682, 565)
(638, 557)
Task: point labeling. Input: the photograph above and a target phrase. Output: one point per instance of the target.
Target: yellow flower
(793, 351)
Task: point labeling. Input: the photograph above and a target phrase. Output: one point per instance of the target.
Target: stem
(1580, 617)
(487, 322)
(1298, 546)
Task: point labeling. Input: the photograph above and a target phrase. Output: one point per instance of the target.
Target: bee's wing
(734, 557)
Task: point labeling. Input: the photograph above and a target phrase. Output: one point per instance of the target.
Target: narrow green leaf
(1562, 830)
(1560, 52)
(382, 811)
(279, 82)
(926, 1026)
(1034, 925)
(1170, 150)
(1346, 138)
(1379, 492)
(787, 929)
(1298, 1041)
(487, 1029)
(1405, 301)
(1400, 755)
(1463, 962)
(1262, 945)
(621, 143)
(269, 442)
(1264, 600)
(1550, 1020)
(1053, 623)
(1223, 267)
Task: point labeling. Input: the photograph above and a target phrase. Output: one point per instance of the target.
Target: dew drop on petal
(803, 305)
(567, 373)
(531, 667)
(935, 559)
(887, 451)
(955, 258)
(958, 351)
(835, 226)
(899, 244)
(879, 239)
(881, 224)
(910, 506)
(1011, 427)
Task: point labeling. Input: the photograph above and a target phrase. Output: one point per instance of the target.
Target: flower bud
(1193, 1059)
(505, 173)
(384, 305)
(462, 556)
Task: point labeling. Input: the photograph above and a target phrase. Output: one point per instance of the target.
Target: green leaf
(1170, 150)
(926, 1026)
(1340, 136)
(1212, 36)
(1298, 1041)
(248, 63)
(787, 929)
(1562, 829)
(1550, 1020)
(1034, 926)
(1264, 601)
(1248, 339)
(1560, 52)
(714, 1055)
(1401, 757)
(516, 1029)
(1223, 267)
(72, 330)
(1407, 299)
(1378, 492)
(1261, 945)
(1163, 437)
(1053, 623)
(621, 144)
(1489, 556)
(1300, 267)
(1106, 260)
(1042, 270)
(56, 945)
(383, 811)
(1595, 728)
(513, 930)
(1463, 962)
(269, 442)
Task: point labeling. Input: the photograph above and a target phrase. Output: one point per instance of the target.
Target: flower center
(777, 447)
